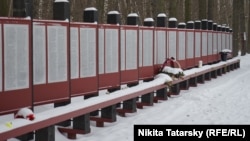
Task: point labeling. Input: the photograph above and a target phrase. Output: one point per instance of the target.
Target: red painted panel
(182, 64)
(210, 58)
(84, 86)
(157, 68)
(51, 92)
(190, 63)
(11, 101)
(109, 80)
(129, 76)
(146, 72)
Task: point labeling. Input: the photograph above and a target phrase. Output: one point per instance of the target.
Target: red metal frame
(219, 43)
(197, 45)
(190, 61)
(110, 80)
(157, 49)
(204, 49)
(85, 85)
(210, 47)
(179, 58)
(55, 91)
(130, 75)
(13, 100)
(146, 72)
(215, 46)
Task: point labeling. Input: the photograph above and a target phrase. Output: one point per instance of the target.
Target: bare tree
(203, 9)
(210, 9)
(242, 27)
(187, 10)
(172, 8)
(248, 42)
(236, 11)
(4, 8)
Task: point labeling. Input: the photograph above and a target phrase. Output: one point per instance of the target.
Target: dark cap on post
(215, 26)
(218, 27)
(90, 15)
(148, 22)
(182, 25)
(161, 20)
(204, 24)
(223, 27)
(190, 25)
(113, 17)
(132, 19)
(172, 23)
(61, 10)
(197, 24)
(210, 25)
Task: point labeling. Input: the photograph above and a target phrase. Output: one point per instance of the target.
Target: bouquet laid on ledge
(172, 68)
(174, 73)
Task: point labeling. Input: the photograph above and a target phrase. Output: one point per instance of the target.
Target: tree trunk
(210, 9)
(248, 39)
(242, 27)
(203, 9)
(4, 8)
(187, 10)
(236, 20)
(172, 8)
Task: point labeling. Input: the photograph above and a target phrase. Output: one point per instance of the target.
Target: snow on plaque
(101, 50)
(197, 44)
(147, 48)
(16, 56)
(223, 41)
(210, 43)
(111, 50)
(57, 54)
(172, 43)
(131, 49)
(88, 52)
(128, 49)
(190, 44)
(74, 52)
(160, 43)
(182, 49)
(39, 54)
(204, 43)
(214, 43)
(1, 79)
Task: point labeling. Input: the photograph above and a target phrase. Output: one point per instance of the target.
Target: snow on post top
(226, 50)
(90, 9)
(162, 15)
(132, 15)
(61, 1)
(172, 19)
(113, 12)
(149, 19)
(182, 23)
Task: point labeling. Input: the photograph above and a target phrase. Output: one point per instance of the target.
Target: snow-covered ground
(224, 100)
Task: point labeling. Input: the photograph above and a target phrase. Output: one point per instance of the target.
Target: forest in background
(230, 12)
